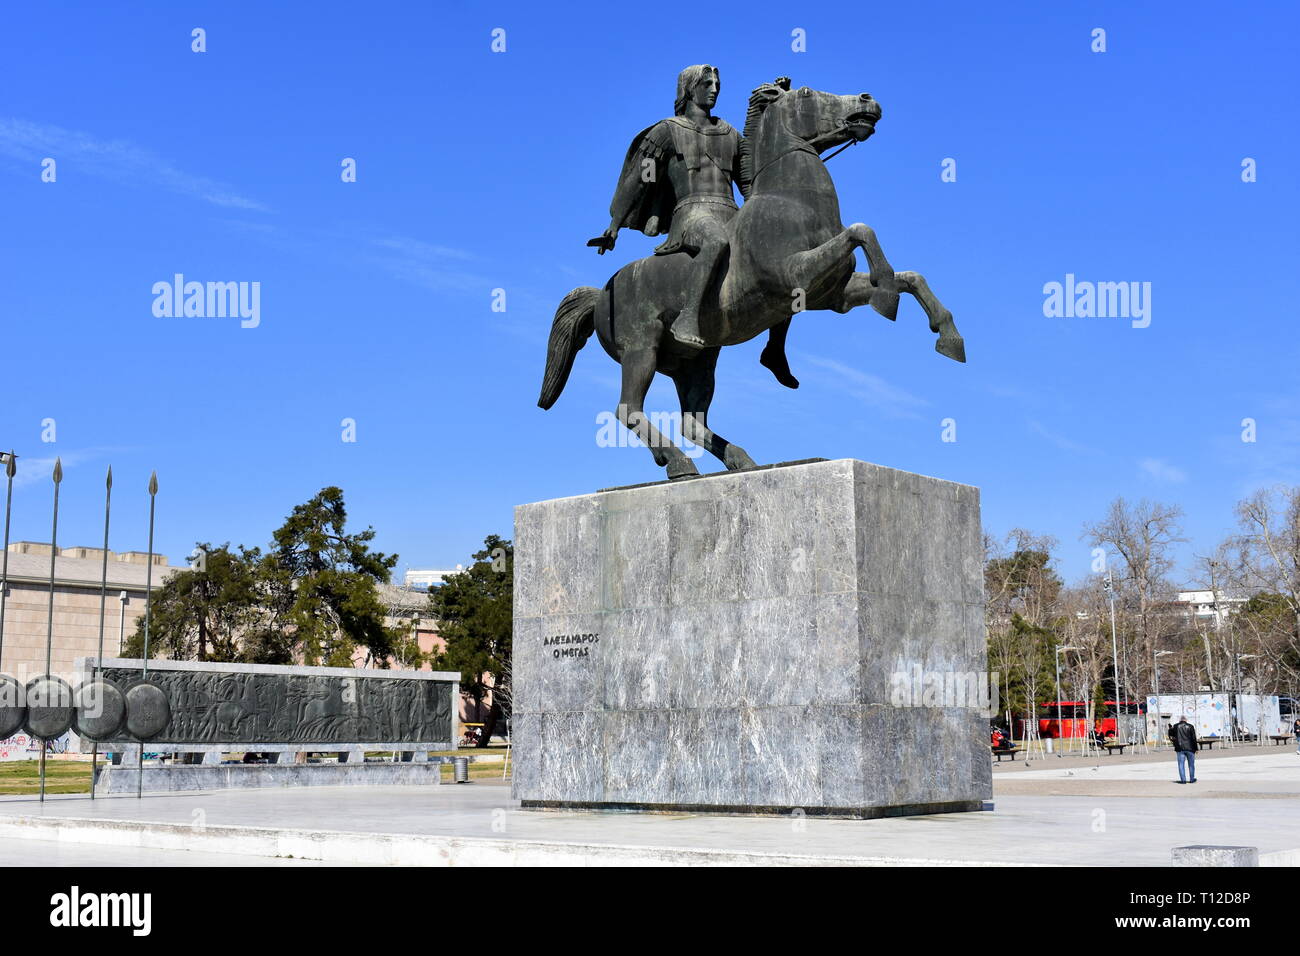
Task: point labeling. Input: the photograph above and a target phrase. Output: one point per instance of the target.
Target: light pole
(1059, 650)
(1109, 586)
(1237, 715)
(1155, 670)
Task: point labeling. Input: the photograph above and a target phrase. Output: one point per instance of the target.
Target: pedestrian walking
(1183, 736)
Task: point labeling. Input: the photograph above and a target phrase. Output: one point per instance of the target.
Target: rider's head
(699, 83)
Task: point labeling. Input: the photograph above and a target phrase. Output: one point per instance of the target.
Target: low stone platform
(123, 778)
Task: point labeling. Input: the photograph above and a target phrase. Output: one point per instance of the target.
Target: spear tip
(153, 483)
(109, 481)
(58, 469)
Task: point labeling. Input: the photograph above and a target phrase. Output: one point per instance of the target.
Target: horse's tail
(574, 323)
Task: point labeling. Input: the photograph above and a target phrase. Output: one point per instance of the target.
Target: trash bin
(460, 770)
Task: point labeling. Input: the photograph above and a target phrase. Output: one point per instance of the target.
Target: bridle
(801, 147)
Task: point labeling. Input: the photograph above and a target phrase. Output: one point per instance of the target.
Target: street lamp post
(121, 625)
(1109, 585)
(1236, 711)
(1067, 647)
(1155, 670)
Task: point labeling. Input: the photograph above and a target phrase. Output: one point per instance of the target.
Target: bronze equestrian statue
(730, 274)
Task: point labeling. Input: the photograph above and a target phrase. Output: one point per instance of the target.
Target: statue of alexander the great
(651, 316)
(677, 178)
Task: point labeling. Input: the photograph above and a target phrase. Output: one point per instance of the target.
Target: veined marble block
(804, 636)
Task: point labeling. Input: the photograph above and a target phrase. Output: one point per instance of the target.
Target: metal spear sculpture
(148, 609)
(12, 710)
(49, 620)
(100, 705)
(103, 593)
(11, 469)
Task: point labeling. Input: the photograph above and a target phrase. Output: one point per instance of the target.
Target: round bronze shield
(147, 710)
(99, 707)
(49, 707)
(13, 705)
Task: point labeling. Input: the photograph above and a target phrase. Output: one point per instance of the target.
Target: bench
(1005, 753)
(1209, 742)
(1279, 738)
(1119, 747)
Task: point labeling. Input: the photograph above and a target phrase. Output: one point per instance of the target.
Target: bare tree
(1085, 625)
(1020, 578)
(1268, 563)
(1143, 536)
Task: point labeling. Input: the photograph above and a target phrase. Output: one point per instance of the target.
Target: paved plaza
(1120, 813)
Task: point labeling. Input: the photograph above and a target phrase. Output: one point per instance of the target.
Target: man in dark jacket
(1183, 737)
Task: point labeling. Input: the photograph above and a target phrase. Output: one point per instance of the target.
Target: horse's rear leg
(638, 373)
(694, 383)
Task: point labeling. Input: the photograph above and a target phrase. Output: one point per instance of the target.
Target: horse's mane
(759, 101)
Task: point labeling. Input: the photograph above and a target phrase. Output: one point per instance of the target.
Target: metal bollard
(460, 770)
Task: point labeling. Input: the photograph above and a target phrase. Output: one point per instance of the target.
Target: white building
(1208, 607)
(425, 578)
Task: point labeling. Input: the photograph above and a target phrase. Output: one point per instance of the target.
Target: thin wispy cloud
(1160, 470)
(417, 249)
(871, 390)
(1014, 393)
(426, 264)
(33, 470)
(1273, 456)
(1060, 441)
(113, 159)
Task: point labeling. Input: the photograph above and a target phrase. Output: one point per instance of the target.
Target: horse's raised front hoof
(953, 346)
(737, 459)
(682, 468)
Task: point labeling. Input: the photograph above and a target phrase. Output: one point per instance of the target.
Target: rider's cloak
(646, 202)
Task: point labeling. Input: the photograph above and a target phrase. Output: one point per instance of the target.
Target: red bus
(1074, 718)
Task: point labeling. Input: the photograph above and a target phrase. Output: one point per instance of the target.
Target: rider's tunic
(654, 207)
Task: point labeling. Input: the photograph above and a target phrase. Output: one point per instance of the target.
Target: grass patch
(23, 777)
(476, 771)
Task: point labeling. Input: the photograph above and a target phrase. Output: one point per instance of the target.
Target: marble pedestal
(807, 636)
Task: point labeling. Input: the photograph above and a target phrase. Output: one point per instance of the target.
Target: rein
(852, 142)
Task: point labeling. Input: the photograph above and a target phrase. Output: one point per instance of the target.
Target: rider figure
(677, 177)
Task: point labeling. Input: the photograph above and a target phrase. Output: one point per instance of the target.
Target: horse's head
(820, 120)
(825, 120)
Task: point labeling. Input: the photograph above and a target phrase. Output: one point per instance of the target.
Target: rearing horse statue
(787, 244)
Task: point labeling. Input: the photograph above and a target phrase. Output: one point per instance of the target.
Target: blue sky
(479, 170)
